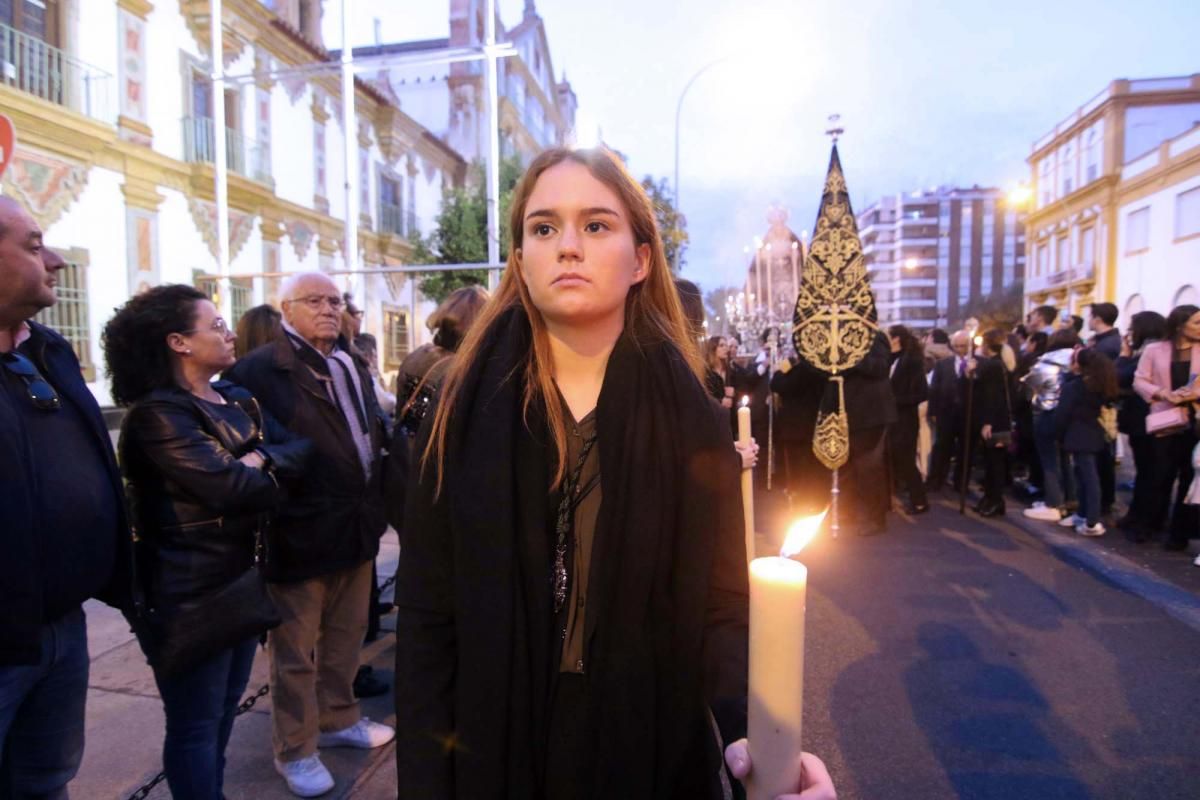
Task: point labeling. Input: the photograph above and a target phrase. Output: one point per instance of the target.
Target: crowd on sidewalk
(1041, 411)
(257, 470)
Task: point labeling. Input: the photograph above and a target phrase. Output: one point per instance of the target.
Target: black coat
(21, 600)
(196, 507)
(1077, 418)
(1108, 343)
(666, 624)
(908, 380)
(869, 398)
(1131, 416)
(990, 401)
(799, 390)
(335, 516)
(947, 391)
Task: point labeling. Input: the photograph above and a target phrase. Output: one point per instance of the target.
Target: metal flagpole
(220, 166)
(350, 142)
(493, 140)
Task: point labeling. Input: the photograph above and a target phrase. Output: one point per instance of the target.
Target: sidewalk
(125, 719)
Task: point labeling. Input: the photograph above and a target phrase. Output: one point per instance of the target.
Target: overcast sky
(930, 91)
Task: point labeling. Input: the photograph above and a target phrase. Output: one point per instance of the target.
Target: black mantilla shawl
(667, 605)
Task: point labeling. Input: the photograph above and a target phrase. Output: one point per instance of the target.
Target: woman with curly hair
(1091, 385)
(201, 463)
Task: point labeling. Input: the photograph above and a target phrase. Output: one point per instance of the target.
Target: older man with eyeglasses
(63, 537)
(325, 540)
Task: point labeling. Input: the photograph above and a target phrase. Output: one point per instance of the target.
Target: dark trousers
(567, 738)
(41, 714)
(995, 471)
(1106, 468)
(200, 706)
(947, 448)
(1143, 479)
(1057, 484)
(903, 443)
(1087, 476)
(1173, 469)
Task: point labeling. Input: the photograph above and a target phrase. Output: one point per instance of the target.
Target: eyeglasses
(40, 391)
(219, 325)
(315, 301)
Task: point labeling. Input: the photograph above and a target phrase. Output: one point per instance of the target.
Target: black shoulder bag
(179, 638)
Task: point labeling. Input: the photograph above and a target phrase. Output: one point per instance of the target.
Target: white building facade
(112, 105)
(931, 253)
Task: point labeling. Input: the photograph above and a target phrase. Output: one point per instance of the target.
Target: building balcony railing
(30, 65)
(244, 156)
(1063, 277)
(395, 220)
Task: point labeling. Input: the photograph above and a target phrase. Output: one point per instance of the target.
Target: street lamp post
(678, 109)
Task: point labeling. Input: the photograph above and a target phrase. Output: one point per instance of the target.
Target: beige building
(1090, 167)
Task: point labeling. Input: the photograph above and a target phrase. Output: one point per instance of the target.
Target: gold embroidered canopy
(835, 321)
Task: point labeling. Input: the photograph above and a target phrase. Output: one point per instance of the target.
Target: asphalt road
(962, 657)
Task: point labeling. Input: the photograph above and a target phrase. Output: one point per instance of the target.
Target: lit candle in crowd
(778, 587)
(743, 418)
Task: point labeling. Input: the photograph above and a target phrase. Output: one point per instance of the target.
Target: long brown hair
(652, 308)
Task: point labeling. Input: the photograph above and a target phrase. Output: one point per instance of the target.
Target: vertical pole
(220, 168)
(350, 129)
(833, 495)
(493, 140)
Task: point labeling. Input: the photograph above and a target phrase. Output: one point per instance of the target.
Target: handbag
(1108, 421)
(181, 637)
(1164, 423)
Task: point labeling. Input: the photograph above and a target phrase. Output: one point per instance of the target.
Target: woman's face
(210, 341)
(722, 349)
(578, 258)
(1191, 328)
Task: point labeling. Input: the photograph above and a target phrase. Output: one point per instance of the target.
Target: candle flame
(978, 341)
(745, 400)
(801, 532)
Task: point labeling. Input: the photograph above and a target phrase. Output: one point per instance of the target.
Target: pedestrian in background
(63, 534)
(1145, 327)
(258, 326)
(907, 374)
(326, 537)
(203, 468)
(1167, 378)
(991, 419)
(1091, 385)
(1044, 385)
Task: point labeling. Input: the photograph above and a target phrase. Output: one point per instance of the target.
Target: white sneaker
(306, 777)
(1196, 562)
(1073, 521)
(1040, 510)
(363, 734)
(1084, 529)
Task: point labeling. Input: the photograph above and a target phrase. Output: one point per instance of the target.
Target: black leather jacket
(195, 506)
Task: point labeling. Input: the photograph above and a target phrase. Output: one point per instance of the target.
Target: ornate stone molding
(44, 185)
(204, 215)
(140, 8)
(141, 194)
(301, 236)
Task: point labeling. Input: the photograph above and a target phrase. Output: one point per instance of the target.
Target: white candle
(743, 418)
(778, 588)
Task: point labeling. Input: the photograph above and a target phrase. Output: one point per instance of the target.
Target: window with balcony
(391, 210)
(396, 343)
(1187, 213)
(70, 315)
(36, 18)
(1087, 245)
(1062, 254)
(1137, 230)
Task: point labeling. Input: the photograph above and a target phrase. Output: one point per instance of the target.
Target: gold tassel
(831, 441)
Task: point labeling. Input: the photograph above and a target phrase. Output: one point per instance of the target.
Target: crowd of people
(1038, 411)
(548, 644)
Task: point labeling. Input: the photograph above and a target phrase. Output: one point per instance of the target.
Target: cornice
(54, 128)
(139, 8)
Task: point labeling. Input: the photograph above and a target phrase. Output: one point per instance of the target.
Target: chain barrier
(144, 790)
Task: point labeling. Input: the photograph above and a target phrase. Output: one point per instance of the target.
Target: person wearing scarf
(572, 586)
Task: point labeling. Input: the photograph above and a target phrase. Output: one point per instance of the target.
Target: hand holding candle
(743, 418)
(778, 588)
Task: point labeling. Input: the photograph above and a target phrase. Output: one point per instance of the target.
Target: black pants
(1172, 461)
(903, 443)
(1143, 479)
(947, 447)
(1106, 465)
(566, 739)
(994, 472)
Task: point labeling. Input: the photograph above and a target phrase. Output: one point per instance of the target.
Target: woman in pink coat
(1168, 378)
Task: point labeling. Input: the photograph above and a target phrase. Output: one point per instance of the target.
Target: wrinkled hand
(815, 783)
(252, 460)
(726, 402)
(986, 433)
(748, 452)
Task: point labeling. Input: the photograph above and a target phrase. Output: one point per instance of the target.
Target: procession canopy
(835, 322)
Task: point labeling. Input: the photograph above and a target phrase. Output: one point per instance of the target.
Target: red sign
(8, 142)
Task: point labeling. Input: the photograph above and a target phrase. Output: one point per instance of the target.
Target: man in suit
(322, 546)
(947, 401)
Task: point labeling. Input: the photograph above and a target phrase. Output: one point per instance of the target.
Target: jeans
(41, 714)
(200, 705)
(1087, 472)
(1057, 487)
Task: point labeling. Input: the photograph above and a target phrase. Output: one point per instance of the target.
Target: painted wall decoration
(44, 185)
(204, 214)
(302, 237)
(132, 66)
(141, 231)
(271, 264)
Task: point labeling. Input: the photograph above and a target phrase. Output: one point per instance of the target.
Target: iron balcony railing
(244, 156)
(394, 219)
(30, 65)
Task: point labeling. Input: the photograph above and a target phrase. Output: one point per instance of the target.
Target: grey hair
(288, 287)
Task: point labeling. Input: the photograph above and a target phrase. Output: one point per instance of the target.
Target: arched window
(1134, 305)
(1187, 295)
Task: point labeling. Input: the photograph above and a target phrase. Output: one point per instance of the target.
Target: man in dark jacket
(62, 529)
(325, 540)
(1106, 339)
(947, 393)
